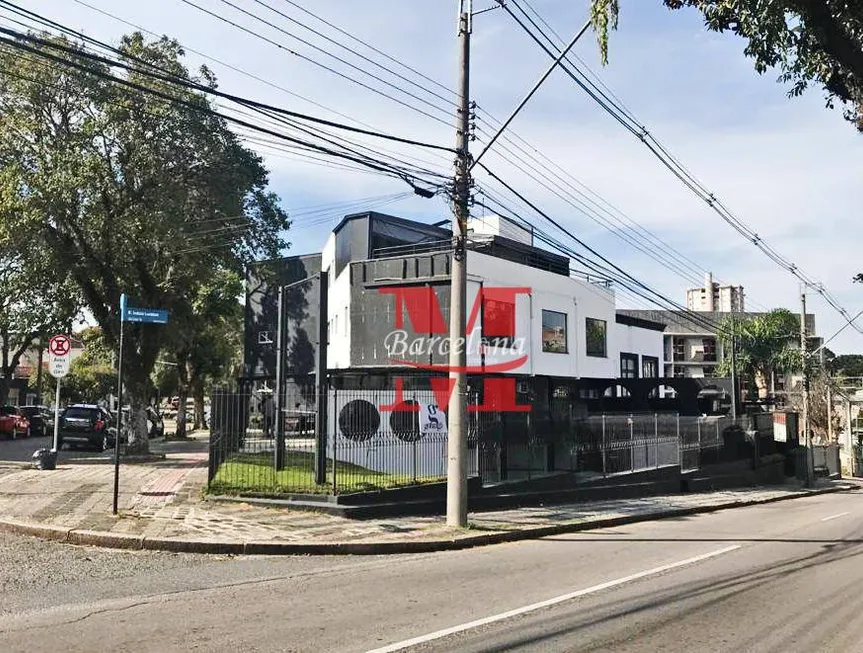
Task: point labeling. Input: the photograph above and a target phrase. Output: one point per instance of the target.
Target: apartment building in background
(715, 298)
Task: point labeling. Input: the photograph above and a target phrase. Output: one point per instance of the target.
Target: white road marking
(398, 646)
(841, 514)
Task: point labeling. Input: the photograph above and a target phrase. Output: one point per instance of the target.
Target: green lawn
(254, 473)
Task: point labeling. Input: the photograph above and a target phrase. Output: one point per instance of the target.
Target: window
(554, 332)
(679, 346)
(709, 349)
(265, 338)
(649, 367)
(629, 366)
(498, 323)
(596, 331)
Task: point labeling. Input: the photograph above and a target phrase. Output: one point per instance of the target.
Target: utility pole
(456, 495)
(733, 368)
(829, 396)
(807, 438)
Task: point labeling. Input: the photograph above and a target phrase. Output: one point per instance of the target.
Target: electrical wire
(673, 164)
(666, 255)
(196, 106)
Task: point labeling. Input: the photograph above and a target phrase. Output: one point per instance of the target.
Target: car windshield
(31, 410)
(8, 410)
(80, 413)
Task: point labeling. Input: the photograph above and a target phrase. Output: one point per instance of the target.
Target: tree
(764, 345)
(847, 365)
(809, 41)
(127, 191)
(92, 376)
(35, 303)
(209, 339)
(818, 411)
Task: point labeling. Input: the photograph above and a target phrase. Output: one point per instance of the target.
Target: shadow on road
(709, 594)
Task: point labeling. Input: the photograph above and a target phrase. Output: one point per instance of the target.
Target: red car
(13, 423)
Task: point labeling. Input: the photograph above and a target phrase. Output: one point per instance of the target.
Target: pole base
(45, 459)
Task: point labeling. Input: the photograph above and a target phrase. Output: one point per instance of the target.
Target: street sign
(155, 315)
(60, 345)
(58, 366)
(59, 355)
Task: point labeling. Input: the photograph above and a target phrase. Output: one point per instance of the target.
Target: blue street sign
(156, 315)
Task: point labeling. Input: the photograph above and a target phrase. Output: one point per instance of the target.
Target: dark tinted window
(81, 413)
(7, 410)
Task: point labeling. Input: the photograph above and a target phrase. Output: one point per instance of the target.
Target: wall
(261, 315)
(644, 342)
(576, 299)
(362, 288)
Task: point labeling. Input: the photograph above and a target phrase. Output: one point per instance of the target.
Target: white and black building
(387, 291)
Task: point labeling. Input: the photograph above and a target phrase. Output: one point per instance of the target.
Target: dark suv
(88, 425)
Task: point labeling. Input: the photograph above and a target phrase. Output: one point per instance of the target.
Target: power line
(166, 76)
(317, 63)
(357, 54)
(196, 106)
(674, 260)
(262, 80)
(621, 274)
(675, 167)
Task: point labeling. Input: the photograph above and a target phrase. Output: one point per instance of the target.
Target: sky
(788, 168)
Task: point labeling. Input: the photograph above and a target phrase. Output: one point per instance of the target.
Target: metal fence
(371, 442)
(378, 439)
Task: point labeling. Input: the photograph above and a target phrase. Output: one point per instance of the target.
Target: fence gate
(689, 437)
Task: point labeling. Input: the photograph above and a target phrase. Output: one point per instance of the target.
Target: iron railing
(373, 440)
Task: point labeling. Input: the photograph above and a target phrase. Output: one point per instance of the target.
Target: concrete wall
(362, 289)
(643, 342)
(302, 308)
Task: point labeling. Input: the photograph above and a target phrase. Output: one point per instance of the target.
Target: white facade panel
(643, 342)
(575, 299)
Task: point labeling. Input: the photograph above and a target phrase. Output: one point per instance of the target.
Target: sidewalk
(161, 507)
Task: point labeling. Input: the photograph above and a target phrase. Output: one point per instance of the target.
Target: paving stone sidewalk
(163, 500)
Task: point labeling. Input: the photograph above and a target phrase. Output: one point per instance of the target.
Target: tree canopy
(35, 303)
(808, 41)
(126, 190)
(764, 345)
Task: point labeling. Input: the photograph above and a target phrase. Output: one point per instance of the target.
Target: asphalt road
(778, 577)
(21, 449)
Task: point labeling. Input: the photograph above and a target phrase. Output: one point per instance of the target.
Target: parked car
(87, 425)
(41, 420)
(13, 422)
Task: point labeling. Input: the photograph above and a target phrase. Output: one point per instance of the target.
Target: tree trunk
(182, 394)
(761, 383)
(135, 395)
(200, 416)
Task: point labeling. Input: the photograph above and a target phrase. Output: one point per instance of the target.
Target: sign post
(128, 314)
(59, 352)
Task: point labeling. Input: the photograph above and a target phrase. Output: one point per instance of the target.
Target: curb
(233, 547)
